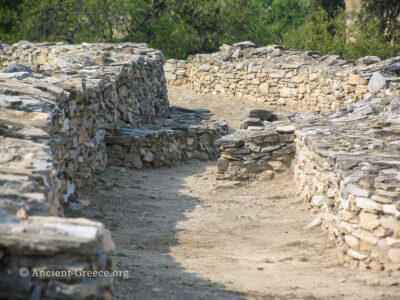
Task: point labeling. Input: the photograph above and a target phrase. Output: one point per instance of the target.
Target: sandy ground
(231, 109)
(182, 234)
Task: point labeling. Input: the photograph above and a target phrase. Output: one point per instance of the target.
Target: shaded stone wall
(347, 168)
(188, 134)
(57, 104)
(34, 249)
(65, 112)
(286, 79)
(65, 106)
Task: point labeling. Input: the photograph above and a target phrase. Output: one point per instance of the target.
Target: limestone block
(369, 221)
(377, 82)
(354, 79)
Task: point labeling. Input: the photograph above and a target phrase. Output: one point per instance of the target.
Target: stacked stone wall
(64, 110)
(138, 148)
(347, 170)
(65, 105)
(57, 104)
(346, 165)
(286, 79)
(256, 151)
(55, 258)
(346, 162)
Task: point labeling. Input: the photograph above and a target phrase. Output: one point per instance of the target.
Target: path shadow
(143, 213)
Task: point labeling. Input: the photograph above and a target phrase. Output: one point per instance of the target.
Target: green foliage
(52, 20)
(333, 36)
(384, 14)
(183, 27)
(366, 38)
(178, 27)
(331, 7)
(9, 11)
(284, 16)
(316, 34)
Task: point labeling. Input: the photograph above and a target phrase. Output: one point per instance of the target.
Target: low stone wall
(62, 113)
(32, 251)
(262, 150)
(189, 134)
(55, 110)
(286, 79)
(348, 169)
(65, 112)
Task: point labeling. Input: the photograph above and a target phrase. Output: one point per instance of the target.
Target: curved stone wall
(57, 104)
(286, 79)
(347, 168)
(66, 111)
(346, 162)
(65, 105)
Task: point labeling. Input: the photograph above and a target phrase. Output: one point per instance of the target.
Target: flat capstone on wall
(286, 79)
(64, 110)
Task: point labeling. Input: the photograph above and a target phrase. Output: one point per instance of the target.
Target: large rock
(16, 68)
(262, 114)
(377, 82)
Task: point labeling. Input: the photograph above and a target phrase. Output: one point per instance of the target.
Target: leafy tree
(183, 27)
(385, 14)
(356, 40)
(202, 20)
(50, 20)
(284, 15)
(315, 34)
(332, 7)
(365, 38)
(9, 11)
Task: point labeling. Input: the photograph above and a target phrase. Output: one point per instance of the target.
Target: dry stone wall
(33, 250)
(347, 169)
(65, 112)
(57, 104)
(188, 134)
(345, 151)
(286, 79)
(263, 147)
(64, 106)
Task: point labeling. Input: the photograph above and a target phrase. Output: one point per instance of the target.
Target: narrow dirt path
(230, 109)
(182, 234)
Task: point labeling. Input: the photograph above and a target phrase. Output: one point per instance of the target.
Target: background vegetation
(183, 27)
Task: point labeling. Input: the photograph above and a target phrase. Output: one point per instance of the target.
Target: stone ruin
(346, 162)
(67, 111)
(286, 79)
(346, 166)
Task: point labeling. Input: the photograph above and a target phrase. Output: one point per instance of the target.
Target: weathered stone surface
(16, 68)
(257, 151)
(262, 114)
(60, 115)
(283, 78)
(50, 243)
(333, 159)
(188, 134)
(377, 82)
(368, 60)
(353, 185)
(245, 123)
(57, 104)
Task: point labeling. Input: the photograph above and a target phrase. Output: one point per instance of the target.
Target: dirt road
(183, 235)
